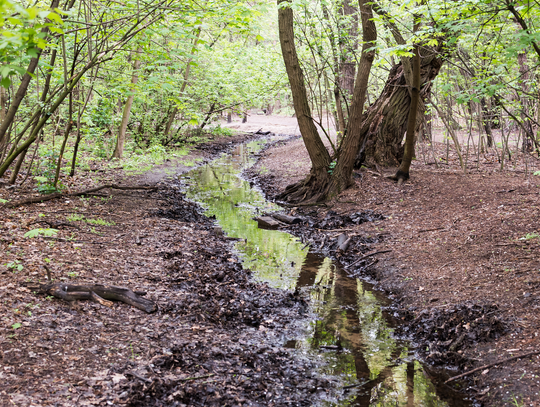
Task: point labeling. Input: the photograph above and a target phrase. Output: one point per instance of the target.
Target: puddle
(352, 334)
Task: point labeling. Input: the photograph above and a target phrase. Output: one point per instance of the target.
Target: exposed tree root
(98, 293)
(37, 199)
(400, 177)
(313, 190)
(308, 191)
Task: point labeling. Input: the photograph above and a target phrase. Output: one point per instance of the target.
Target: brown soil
(214, 340)
(464, 263)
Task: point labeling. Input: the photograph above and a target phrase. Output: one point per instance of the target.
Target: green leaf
(41, 232)
(55, 17)
(16, 325)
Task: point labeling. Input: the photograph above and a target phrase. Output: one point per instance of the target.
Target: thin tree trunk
(528, 136)
(3, 103)
(121, 139)
(67, 130)
(23, 87)
(452, 134)
(402, 173)
(320, 159)
(17, 168)
(342, 177)
(41, 121)
(347, 54)
(486, 121)
(174, 111)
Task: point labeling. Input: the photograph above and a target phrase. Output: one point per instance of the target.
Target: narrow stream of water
(352, 333)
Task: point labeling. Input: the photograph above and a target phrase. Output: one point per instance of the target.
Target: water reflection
(352, 333)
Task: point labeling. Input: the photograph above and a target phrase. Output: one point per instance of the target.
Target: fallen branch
(459, 376)
(196, 377)
(366, 256)
(98, 293)
(37, 199)
(430, 230)
(138, 376)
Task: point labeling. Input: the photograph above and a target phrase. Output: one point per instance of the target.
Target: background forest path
(281, 124)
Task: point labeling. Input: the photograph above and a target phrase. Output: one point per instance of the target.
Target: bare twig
(49, 277)
(144, 379)
(459, 376)
(366, 256)
(430, 230)
(196, 377)
(79, 193)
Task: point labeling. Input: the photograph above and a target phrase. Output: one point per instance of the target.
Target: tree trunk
(528, 137)
(23, 87)
(348, 65)
(174, 111)
(67, 130)
(121, 139)
(402, 173)
(485, 117)
(41, 121)
(385, 122)
(326, 180)
(320, 158)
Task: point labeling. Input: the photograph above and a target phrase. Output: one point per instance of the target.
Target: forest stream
(350, 332)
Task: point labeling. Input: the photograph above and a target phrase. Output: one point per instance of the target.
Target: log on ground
(102, 294)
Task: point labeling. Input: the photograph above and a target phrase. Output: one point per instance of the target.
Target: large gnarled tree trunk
(385, 122)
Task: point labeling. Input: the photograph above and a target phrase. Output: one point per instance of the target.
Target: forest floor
(464, 264)
(463, 267)
(213, 340)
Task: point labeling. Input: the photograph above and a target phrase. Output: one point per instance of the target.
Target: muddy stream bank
(347, 332)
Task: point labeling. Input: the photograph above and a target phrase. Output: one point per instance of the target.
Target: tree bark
(326, 180)
(320, 158)
(528, 137)
(385, 121)
(485, 116)
(402, 173)
(348, 65)
(121, 139)
(342, 177)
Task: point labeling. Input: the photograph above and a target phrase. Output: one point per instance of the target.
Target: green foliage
(100, 222)
(75, 217)
(331, 167)
(16, 326)
(15, 265)
(219, 131)
(530, 236)
(21, 36)
(44, 174)
(3, 201)
(40, 232)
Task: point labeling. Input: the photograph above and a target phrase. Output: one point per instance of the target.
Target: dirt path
(463, 266)
(214, 340)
